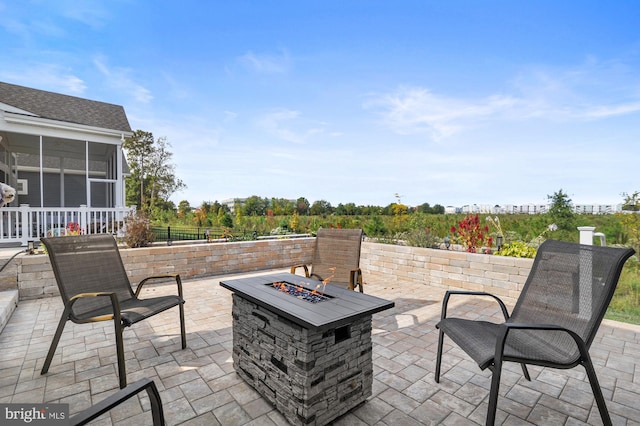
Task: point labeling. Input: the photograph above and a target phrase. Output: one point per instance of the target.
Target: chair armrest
(295, 267)
(115, 304)
(175, 276)
(506, 327)
(449, 293)
(119, 397)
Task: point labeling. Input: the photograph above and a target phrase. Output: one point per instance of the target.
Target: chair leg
(54, 343)
(493, 394)
(183, 331)
(439, 356)
(122, 370)
(597, 392)
(525, 371)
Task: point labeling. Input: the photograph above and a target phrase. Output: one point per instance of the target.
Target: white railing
(23, 224)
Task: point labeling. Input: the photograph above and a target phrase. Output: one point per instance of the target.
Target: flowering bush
(73, 228)
(471, 234)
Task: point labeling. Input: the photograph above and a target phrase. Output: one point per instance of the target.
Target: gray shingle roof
(65, 108)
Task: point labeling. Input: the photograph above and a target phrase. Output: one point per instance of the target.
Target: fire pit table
(304, 346)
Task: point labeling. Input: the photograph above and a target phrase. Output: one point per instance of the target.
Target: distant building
(532, 209)
(231, 203)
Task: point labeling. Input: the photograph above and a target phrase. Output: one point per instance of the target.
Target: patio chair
(554, 321)
(94, 286)
(336, 258)
(157, 414)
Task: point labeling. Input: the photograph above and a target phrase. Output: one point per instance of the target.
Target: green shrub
(375, 227)
(227, 221)
(420, 238)
(517, 249)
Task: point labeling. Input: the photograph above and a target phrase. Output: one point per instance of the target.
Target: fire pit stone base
(311, 377)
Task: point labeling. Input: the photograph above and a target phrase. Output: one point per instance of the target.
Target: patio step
(8, 303)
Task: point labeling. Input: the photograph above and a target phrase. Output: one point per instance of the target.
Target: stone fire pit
(311, 359)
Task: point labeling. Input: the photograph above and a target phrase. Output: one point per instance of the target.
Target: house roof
(70, 109)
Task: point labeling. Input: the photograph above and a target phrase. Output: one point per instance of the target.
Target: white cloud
(290, 126)
(89, 12)
(230, 116)
(557, 95)
(119, 79)
(267, 63)
(604, 111)
(51, 77)
(417, 110)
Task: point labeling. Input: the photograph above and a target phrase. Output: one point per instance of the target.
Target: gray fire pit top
(342, 307)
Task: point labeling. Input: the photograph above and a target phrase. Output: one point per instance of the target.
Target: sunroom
(64, 157)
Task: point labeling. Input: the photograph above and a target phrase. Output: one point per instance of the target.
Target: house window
(22, 187)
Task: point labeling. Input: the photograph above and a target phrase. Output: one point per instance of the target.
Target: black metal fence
(185, 233)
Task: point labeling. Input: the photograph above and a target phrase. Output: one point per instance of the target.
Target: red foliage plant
(472, 234)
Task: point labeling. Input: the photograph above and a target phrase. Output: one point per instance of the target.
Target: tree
(426, 208)
(138, 147)
(200, 216)
(227, 221)
(184, 208)
(302, 206)
(631, 202)
(255, 206)
(282, 206)
(438, 209)
(161, 170)
(561, 210)
(221, 214)
(152, 180)
(321, 207)
(294, 223)
(216, 206)
(350, 209)
(630, 218)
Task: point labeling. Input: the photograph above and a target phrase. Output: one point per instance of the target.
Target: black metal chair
(336, 258)
(554, 321)
(95, 411)
(94, 286)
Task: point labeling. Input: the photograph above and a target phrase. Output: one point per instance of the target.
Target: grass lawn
(625, 305)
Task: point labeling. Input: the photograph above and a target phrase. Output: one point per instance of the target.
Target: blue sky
(445, 102)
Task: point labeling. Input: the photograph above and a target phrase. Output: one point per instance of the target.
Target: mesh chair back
(339, 249)
(569, 285)
(88, 264)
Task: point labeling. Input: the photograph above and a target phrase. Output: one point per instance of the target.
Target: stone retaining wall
(33, 277)
(380, 263)
(395, 265)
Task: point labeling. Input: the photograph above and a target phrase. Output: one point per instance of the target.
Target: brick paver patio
(199, 386)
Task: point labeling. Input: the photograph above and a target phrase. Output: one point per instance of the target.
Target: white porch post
(27, 227)
(41, 176)
(86, 172)
(119, 201)
(84, 218)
